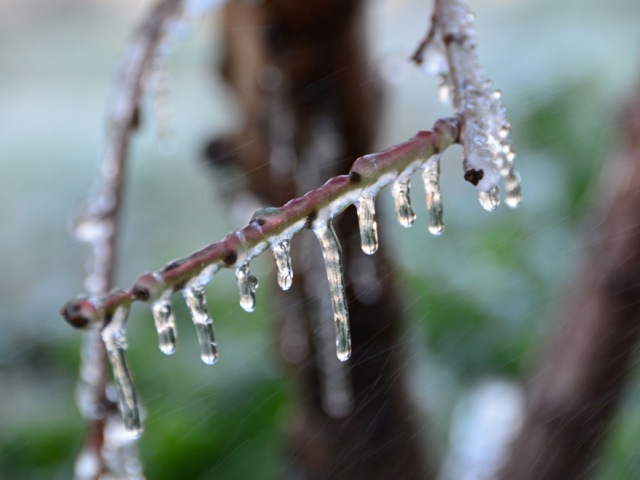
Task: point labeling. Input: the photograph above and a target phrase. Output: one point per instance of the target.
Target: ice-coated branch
(106, 449)
(271, 227)
(480, 125)
(449, 52)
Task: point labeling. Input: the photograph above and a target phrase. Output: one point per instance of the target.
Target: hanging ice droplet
(512, 188)
(444, 89)
(490, 199)
(332, 255)
(115, 342)
(165, 324)
(247, 284)
(404, 211)
(431, 178)
(368, 226)
(197, 303)
(283, 264)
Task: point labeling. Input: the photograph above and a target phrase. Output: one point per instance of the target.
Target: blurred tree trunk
(309, 106)
(574, 392)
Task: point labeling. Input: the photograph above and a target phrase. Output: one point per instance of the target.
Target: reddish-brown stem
(253, 238)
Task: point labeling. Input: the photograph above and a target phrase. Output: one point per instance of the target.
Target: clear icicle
(283, 263)
(197, 303)
(513, 190)
(115, 342)
(490, 199)
(247, 284)
(404, 211)
(431, 178)
(165, 324)
(332, 255)
(368, 226)
(510, 176)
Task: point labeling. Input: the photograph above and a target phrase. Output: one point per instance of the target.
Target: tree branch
(98, 226)
(270, 226)
(576, 388)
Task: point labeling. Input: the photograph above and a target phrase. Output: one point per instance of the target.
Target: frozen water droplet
(435, 59)
(404, 211)
(490, 199)
(197, 303)
(283, 263)
(89, 225)
(512, 188)
(367, 221)
(165, 324)
(496, 95)
(332, 255)
(115, 342)
(247, 284)
(431, 178)
(445, 89)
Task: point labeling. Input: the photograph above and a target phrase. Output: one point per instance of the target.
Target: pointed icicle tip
(431, 178)
(115, 342)
(513, 188)
(368, 225)
(247, 285)
(400, 191)
(283, 263)
(165, 323)
(490, 199)
(332, 254)
(197, 303)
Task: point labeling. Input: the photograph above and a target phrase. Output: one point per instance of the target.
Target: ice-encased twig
(367, 220)
(431, 178)
(197, 304)
(450, 53)
(165, 323)
(332, 254)
(247, 285)
(115, 341)
(272, 225)
(97, 224)
(283, 263)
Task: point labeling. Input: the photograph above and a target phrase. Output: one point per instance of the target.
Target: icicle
(247, 284)
(333, 263)
(283, 263)
(431, 177)
(115, 342)
(490, 199)
(197, 303)
(404, 211)
(513, 190)
(368, 226)
(510, 176)
(445, 88)
(165, 324)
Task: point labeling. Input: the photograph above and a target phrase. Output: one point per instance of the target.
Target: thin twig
(98, 224)
(269, 225)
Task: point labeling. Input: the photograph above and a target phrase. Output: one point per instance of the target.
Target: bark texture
(579, 383)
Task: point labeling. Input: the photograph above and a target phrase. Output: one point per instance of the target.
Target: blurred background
(480, 299)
